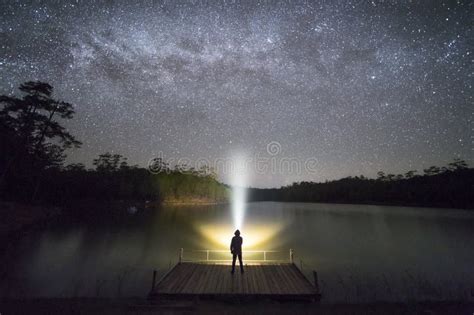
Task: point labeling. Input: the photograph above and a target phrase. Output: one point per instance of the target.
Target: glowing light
(238, 192)
(255, 237)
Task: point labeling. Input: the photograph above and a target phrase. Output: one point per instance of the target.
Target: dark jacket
(236, 245)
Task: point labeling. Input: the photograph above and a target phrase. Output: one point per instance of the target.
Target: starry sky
(354, 86)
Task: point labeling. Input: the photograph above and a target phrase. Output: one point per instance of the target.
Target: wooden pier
(213, 280)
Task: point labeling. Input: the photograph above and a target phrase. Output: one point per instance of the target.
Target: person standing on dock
(236, 250)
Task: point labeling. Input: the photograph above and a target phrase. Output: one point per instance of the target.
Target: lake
(361, 252)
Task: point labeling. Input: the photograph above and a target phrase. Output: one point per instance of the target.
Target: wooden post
(316, 282)
(181, 250)
(291, 255)
(154, 281)
(207, 255)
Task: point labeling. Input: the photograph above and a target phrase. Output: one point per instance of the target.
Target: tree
(381, 175)
(32, 136)
(32, 117)
(432, 170)
(108, 162)
(457, 165)
(75, 167)
(410, 174)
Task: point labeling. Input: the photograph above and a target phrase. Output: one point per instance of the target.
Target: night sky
(356, 87)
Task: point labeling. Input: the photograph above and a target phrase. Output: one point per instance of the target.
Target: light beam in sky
(238, 191)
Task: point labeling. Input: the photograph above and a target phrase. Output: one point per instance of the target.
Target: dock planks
(209, 280)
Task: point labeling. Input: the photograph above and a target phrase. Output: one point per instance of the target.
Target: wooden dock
(276, 281)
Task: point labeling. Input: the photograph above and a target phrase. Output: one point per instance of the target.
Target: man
(236, 250)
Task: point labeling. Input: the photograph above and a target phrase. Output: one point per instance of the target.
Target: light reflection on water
(257, 236)
(360, 252)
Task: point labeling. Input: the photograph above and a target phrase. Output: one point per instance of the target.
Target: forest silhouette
(450, 186)
(34, 141)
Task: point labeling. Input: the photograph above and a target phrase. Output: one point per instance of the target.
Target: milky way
(357, 87)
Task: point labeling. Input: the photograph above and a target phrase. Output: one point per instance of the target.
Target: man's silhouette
(236, 250)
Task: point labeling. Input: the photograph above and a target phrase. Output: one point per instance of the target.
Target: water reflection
(357, 250)
(256, 237)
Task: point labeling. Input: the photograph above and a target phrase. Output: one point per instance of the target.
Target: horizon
(358, 88)
(138, 136)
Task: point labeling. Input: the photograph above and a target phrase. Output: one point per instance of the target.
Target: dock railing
(208, 255)
(218, 255)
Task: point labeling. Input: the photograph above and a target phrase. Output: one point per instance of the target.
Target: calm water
(361, 252)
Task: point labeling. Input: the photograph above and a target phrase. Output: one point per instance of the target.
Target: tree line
(448, 186)
(34, 142)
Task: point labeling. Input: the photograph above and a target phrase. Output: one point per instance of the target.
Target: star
(347, 84)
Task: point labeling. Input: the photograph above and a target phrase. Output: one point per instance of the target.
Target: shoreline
(20, 217)
(192, 203)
